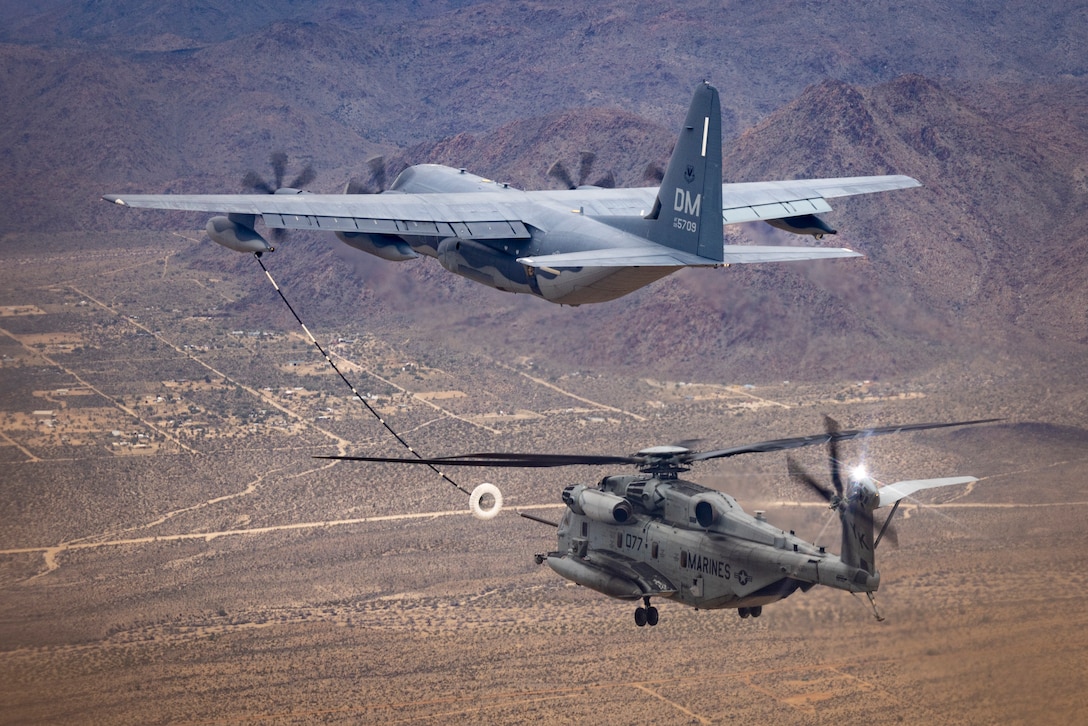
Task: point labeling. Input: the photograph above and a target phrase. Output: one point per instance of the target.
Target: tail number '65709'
(688, 225)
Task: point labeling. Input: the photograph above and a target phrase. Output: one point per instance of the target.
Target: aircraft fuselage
(678, 540)
(551, 229)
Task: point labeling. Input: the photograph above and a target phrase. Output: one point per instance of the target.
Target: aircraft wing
(502, 215)
(741, 202)
(479, 215)
(760, 201)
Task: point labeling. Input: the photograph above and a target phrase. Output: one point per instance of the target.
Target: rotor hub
(665, 462)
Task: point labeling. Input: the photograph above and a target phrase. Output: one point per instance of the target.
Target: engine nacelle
(646, 493)
(802, 224)
(236, 235)
(597, 505)
(386, 246)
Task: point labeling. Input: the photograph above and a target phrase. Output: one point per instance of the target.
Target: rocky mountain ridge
(987, 255)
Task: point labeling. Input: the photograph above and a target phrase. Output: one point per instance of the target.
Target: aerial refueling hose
(475, 496)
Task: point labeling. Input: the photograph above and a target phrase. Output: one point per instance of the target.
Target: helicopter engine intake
(706, 514)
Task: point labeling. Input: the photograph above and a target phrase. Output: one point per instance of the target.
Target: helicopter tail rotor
(854, 497)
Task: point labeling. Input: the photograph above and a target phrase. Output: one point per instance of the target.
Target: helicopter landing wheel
(756, 611)
(743, 612)
(646, 615)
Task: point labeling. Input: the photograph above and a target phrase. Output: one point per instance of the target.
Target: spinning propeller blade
(817, 439)
(833, 462)
(375, 181)
(586, 159)
(502, 460)
(278, 161)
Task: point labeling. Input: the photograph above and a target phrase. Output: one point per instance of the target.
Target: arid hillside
(975, 264)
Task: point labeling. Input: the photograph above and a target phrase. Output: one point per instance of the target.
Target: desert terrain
(171, 553)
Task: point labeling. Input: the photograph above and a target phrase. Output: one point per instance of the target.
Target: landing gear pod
(479, 493)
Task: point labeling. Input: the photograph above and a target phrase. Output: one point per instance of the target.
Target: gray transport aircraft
(573, 246)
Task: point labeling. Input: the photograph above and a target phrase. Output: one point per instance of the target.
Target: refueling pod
(803, 224)
(236, 233)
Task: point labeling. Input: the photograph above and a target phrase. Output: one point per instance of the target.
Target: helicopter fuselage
(647, 536)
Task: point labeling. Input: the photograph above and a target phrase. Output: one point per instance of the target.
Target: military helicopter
(655, 535)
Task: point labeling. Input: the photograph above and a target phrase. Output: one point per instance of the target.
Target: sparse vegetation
(220, 554)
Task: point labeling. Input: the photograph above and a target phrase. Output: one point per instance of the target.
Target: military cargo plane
(574, 246)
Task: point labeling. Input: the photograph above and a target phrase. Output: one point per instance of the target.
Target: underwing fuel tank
(594, 578)
(236, 236)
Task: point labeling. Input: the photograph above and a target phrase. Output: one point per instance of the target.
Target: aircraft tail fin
(687, 215)
(858, 529)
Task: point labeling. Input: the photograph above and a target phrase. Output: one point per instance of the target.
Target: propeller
(654, 172)
(375, 181)
(585, 165)
(835, 496)
(254, 182)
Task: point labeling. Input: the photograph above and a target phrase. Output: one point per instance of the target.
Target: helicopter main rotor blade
(832, 427)
(521, 460)
(502, 460)
(817, 439)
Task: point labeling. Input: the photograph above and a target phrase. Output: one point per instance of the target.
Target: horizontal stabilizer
(894, 492)
(659, 256)
(746, 254)
(645, 256)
